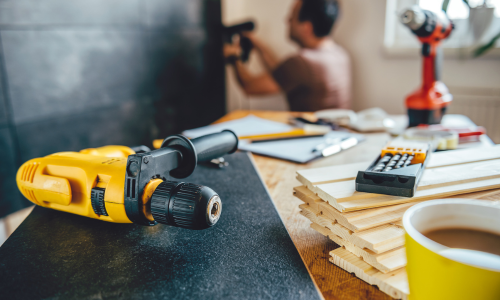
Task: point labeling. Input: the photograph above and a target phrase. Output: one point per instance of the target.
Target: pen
(286, 138)
(326, 143)
(333, 146)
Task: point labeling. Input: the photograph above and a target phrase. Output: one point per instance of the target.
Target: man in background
(318, 77)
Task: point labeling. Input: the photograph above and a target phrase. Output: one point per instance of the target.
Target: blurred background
(87, 73)
(385, 56)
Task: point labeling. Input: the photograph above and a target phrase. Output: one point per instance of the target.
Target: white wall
(378, 79)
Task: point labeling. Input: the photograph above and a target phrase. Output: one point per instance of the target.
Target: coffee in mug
(452, 249)
(466, 238)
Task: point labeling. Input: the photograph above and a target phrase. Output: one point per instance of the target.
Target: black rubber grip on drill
(215, 145)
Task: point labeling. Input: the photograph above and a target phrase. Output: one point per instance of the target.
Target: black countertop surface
(247, 255)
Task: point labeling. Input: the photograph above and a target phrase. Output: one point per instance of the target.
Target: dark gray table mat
(247, 255)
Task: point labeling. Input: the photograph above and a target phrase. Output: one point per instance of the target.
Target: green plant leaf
(484, 48)
(445, 5)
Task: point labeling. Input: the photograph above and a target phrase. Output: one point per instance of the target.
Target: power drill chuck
(423, 23)
(185, 205)
(413, 17)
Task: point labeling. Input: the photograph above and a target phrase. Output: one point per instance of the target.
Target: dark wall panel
(171, 14)
(88, 73)
(10, 198)
(3, 106)
(195, 57)
(178, 59)
(127, 124)
(73, 12)
(52, 73)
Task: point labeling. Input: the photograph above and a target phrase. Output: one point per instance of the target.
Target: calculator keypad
(390, 162)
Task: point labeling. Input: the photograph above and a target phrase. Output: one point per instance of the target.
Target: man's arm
(263, 84)
(266, 54)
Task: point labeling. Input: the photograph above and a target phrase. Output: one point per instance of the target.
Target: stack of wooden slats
(368, 226)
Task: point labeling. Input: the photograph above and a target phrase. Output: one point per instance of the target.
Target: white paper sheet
(250, 125)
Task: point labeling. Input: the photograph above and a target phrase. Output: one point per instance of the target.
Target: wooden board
(432, 178)
(373, 241)
(357, 220)
(441, 178)
(385, 262)
(394, 283)
(370, 218)
(316, 176)
(440, 182)
(420, 195)
(378, 240)
(312, 177)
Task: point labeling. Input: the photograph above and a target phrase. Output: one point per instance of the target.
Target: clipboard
(297, 150)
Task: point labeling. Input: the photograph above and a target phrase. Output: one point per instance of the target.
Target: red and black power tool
(427, 105)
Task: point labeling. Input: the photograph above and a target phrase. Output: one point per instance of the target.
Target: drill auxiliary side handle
(177, 158)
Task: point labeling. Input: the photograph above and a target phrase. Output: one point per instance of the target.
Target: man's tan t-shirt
(316, 79)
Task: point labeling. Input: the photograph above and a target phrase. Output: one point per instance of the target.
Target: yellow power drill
(116, 184)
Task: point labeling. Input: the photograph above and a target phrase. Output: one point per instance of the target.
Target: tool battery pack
(396, 171)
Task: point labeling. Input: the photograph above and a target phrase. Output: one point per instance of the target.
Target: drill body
(116, 184)
(427, 104)
(65, 181)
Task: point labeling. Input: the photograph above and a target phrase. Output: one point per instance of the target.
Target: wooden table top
(279, 177)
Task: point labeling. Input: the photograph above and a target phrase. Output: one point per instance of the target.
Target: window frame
(399, 41)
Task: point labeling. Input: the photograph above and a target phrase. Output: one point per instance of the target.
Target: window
(397, 36)
(457, 8)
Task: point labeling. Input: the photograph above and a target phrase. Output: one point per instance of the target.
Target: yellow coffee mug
(439, 272)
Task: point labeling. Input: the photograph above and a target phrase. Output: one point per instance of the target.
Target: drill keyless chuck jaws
(185, 205)
(413, 17)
